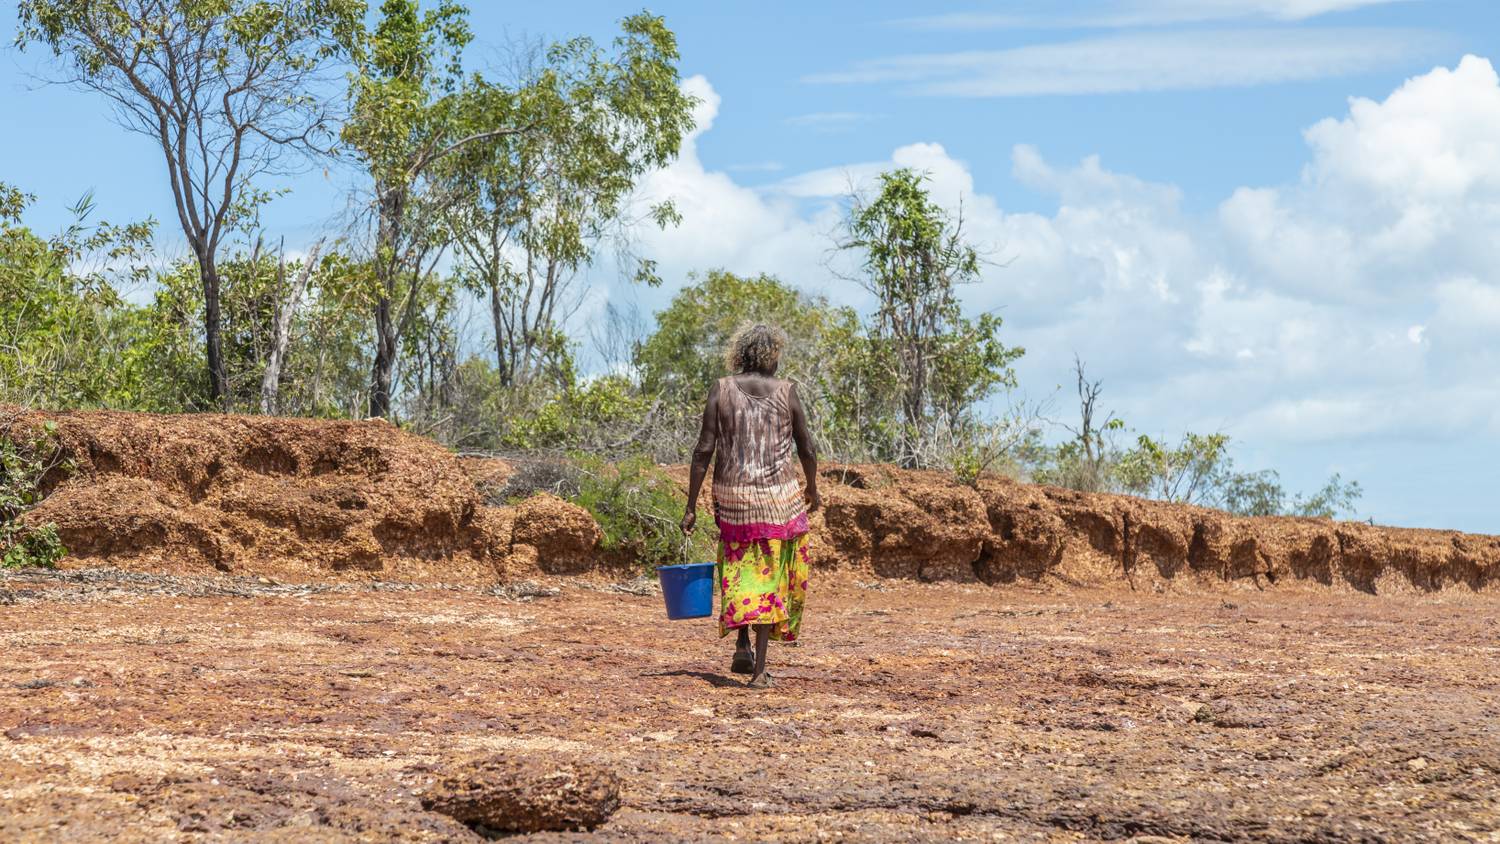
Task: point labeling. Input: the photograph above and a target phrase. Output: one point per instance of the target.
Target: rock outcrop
(504, 794)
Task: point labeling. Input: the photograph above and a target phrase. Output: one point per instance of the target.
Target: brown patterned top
(757, 490)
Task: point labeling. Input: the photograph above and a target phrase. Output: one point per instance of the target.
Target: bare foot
(760, 681)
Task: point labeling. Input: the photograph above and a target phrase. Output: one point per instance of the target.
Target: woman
(752, 421)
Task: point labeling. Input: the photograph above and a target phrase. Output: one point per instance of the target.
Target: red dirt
(922, 525)
(1091, 667)
(195, 710)
(292, 499)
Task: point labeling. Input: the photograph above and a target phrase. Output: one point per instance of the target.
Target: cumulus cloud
(725, 224)
(1175, 60)
(1142, 13)
(1355, 302)
(1396, 191)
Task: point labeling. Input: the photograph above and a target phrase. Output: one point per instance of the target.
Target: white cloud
(757, 167)
(725, 224)
(1396, 191)
(1435, 139)
(1146, 61)
(1358, 301)
(1143, 13)
(830, 121)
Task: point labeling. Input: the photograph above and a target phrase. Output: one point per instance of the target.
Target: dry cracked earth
(147, 708)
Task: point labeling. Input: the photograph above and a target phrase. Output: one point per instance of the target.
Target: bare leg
(761, 680)
(744, 657)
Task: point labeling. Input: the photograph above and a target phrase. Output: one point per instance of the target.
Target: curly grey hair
(755, 348)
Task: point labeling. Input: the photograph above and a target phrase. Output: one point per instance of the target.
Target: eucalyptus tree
(226, 89)
(411, 108)
(535, 206)
(939, 364)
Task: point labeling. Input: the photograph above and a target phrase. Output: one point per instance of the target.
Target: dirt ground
(150, 708)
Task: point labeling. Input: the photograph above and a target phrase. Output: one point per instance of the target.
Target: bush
(550, 475)
(638, 508)
(27, 455)
(25, 547)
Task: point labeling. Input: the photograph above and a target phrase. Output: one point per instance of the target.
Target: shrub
(27, 455)
(27, 547)
(552, 475)
(638, 508)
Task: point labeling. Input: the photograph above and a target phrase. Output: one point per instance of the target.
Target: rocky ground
(150, 708)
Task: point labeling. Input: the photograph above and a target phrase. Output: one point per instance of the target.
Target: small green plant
(27, 455)
(638, 508)
(25, 547)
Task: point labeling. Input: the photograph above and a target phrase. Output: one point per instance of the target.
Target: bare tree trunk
(497, 314)
(270, 380)
(386, 267)
(385, 359)
(218, 381)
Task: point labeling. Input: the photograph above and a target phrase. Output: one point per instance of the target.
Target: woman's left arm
(805, 452)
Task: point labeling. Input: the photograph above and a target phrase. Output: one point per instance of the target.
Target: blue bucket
(688, 590)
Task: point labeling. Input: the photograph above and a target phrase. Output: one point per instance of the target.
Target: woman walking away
(752, 421)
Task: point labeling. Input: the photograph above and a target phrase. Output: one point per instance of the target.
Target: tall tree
(409, 104)
(914, 258)
(225, 88)
(537, 204)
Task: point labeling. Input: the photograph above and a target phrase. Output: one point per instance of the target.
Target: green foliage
(97, 35)
(326, 362)
(68, 338)
(1186, 472)
(1091, 466)
(1199, 470)
(638, 507)
(1254, 493)
(685, 355)
(224, 89)
(31, 547)
(932, 363)
(1333, 498)
(533, 204)
(27, 456)
(406, 96)
(598, 415)
(1261, 494)
(407, 71)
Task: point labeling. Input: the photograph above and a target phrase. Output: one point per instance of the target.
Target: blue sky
(1275, 218)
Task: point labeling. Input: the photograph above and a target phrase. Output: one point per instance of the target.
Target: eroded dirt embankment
(305, 499)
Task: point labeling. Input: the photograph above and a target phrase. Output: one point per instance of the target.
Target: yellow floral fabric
(763, 581)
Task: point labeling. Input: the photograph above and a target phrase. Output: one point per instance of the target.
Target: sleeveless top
(757, 491)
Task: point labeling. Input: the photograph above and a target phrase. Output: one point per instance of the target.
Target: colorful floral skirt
(763, 581)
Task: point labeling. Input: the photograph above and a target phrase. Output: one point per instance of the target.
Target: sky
(1276, 219)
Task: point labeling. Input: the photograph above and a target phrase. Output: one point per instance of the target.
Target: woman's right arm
(703, 454)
